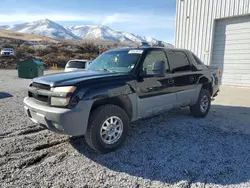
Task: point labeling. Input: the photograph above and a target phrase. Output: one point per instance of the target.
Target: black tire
(196, 110)
(97, 117)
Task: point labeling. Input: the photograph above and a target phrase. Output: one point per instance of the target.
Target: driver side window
(152, 56)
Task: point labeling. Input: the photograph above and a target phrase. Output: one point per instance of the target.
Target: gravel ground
(171, 150)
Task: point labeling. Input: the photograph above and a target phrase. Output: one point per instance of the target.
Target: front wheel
(107, 129)
(202, 106)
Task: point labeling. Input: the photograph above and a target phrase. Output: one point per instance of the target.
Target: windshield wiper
(106, 70)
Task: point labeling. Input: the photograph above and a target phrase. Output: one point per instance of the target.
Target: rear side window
(178, 61)
(198, 61)
(76, 64)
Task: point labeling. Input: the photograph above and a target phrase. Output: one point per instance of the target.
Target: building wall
(195, 21)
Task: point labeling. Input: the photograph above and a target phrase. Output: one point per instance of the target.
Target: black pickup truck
(119, 87)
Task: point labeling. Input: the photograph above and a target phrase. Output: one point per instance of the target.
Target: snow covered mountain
(44, 28)
(98, 32)
(51, 29)
(105, 33)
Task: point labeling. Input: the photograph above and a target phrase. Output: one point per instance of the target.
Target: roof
(83, 60)
(145, 48)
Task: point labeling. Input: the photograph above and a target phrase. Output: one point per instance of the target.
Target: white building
(217, 31)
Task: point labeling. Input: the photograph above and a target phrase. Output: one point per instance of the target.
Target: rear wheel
(202, 106)
(107, 129)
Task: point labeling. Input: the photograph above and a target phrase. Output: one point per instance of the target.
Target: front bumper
(7, 54)
(216, 90)
(66, 121)
(216, 94)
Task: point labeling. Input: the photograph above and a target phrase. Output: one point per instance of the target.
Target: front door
(156, 94)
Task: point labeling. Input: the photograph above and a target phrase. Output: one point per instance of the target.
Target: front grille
(40, 86)
(35, 95)
(6, 54)
(41, 98)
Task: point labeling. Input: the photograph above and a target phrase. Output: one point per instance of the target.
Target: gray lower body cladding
(148, 107)
(75, 121)
(66, 121)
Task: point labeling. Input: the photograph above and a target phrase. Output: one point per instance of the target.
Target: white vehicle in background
(76, 64)
(7, 52)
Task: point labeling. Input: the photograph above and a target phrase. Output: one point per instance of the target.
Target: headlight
(63, 95)
(67, 89)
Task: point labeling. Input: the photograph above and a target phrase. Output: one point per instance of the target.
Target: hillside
(24, 36)
(49, 50)
(55, 51)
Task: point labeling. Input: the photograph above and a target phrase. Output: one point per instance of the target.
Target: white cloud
(117, 18)
(142, 20)
(54, 17)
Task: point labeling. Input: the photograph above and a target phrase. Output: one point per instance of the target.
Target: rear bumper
(60, 120)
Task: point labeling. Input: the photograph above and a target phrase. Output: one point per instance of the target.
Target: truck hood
(72, 78)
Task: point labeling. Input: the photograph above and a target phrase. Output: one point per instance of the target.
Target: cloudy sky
(155, 18)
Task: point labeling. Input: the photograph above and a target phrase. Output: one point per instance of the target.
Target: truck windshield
(7, 49)
(115, 61)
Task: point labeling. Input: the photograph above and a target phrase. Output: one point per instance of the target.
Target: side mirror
(159, 68)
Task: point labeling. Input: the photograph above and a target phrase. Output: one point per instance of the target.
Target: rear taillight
(219, 72)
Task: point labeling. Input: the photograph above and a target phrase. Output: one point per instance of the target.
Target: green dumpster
(30, 68)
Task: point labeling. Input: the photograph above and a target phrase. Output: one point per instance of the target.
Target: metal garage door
(231, 50)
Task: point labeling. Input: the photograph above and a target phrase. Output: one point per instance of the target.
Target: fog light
(57, 126)
(56, 101)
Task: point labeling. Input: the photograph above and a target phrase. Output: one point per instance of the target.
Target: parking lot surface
(171, 150)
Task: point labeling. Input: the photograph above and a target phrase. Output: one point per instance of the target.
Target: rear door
(185, 78)
(156, 94)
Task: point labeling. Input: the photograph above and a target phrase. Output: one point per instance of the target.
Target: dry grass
(24, 36)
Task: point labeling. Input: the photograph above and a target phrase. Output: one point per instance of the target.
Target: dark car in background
(7, 52)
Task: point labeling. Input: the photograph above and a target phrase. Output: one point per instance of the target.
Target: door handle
(170, 81)
(191, 78)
